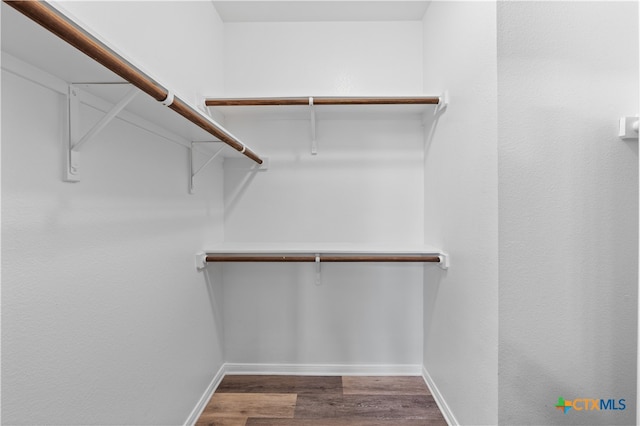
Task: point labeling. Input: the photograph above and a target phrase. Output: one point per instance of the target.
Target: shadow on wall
(241, 188)
(537, 399)
(431, 122)
(358, 315)
(433, 278)
(547, 383)
(633, 147)
(213, 280)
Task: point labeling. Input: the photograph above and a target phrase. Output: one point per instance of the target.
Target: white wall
(104, 317)
(568, 209)
(322, 58)
(364, 186)
(461, 206)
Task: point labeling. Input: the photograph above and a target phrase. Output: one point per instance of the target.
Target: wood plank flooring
(247, 400)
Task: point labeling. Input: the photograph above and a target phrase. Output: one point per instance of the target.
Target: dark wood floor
(321, 401)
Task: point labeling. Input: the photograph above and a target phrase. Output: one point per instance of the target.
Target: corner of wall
(461, 210)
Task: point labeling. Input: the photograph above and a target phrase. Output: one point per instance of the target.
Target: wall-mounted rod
(383, 100)
(323, 258)
(54, 21)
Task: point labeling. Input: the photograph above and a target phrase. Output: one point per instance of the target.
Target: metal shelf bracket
(201, 260)
(193, 172)
(443, 103)
(444, 260)
(314, 142)
(318, 270)
(74, 138)
(628, 128)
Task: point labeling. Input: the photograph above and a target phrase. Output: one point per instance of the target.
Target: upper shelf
(326, 100)
(64, 59)
(322, 248)
(318, 252)
(328, 107)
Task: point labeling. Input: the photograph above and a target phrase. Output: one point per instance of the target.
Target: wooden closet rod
(323, 258)
(60, 25)
(323, 100)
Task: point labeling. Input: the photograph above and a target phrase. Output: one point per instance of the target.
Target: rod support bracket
(169, 99)
(314, 142)
(444, 260)
(443, 102)
(201, 260)
(318, 270)
(628, 128)
(74, 138)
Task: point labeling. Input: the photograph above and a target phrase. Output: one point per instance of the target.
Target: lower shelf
(319, 256)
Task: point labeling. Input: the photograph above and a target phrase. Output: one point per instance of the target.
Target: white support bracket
(75, 139)
(628, 128)
(443, 103)
(193, 172)
(444, 260)
(318, 270)
(201, 260)
(314, 142)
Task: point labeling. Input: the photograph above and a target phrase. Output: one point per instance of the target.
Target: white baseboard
(437, 396)
(325, 369)
(204, 399)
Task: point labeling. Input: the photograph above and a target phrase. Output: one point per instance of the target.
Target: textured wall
(102, 305)
(104, 317)
(323, 58)
(568, 209)
(461, 304)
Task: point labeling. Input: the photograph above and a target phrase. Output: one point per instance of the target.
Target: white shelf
(318, 108)
(344, 108)
(321, 248)
(318, 253)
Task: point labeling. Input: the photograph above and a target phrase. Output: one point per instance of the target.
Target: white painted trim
(437, 396)
(325, 369)
(204, 399)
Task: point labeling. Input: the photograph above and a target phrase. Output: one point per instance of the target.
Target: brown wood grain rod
(418, 100)
(323, 258)
(52, 20)
(256, 101)
(252, 258)
(380, 258)
(377, 101)
(49, 18)
(186, 111)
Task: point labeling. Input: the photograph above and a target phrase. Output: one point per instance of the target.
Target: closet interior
(194, 190)
(363, 278)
